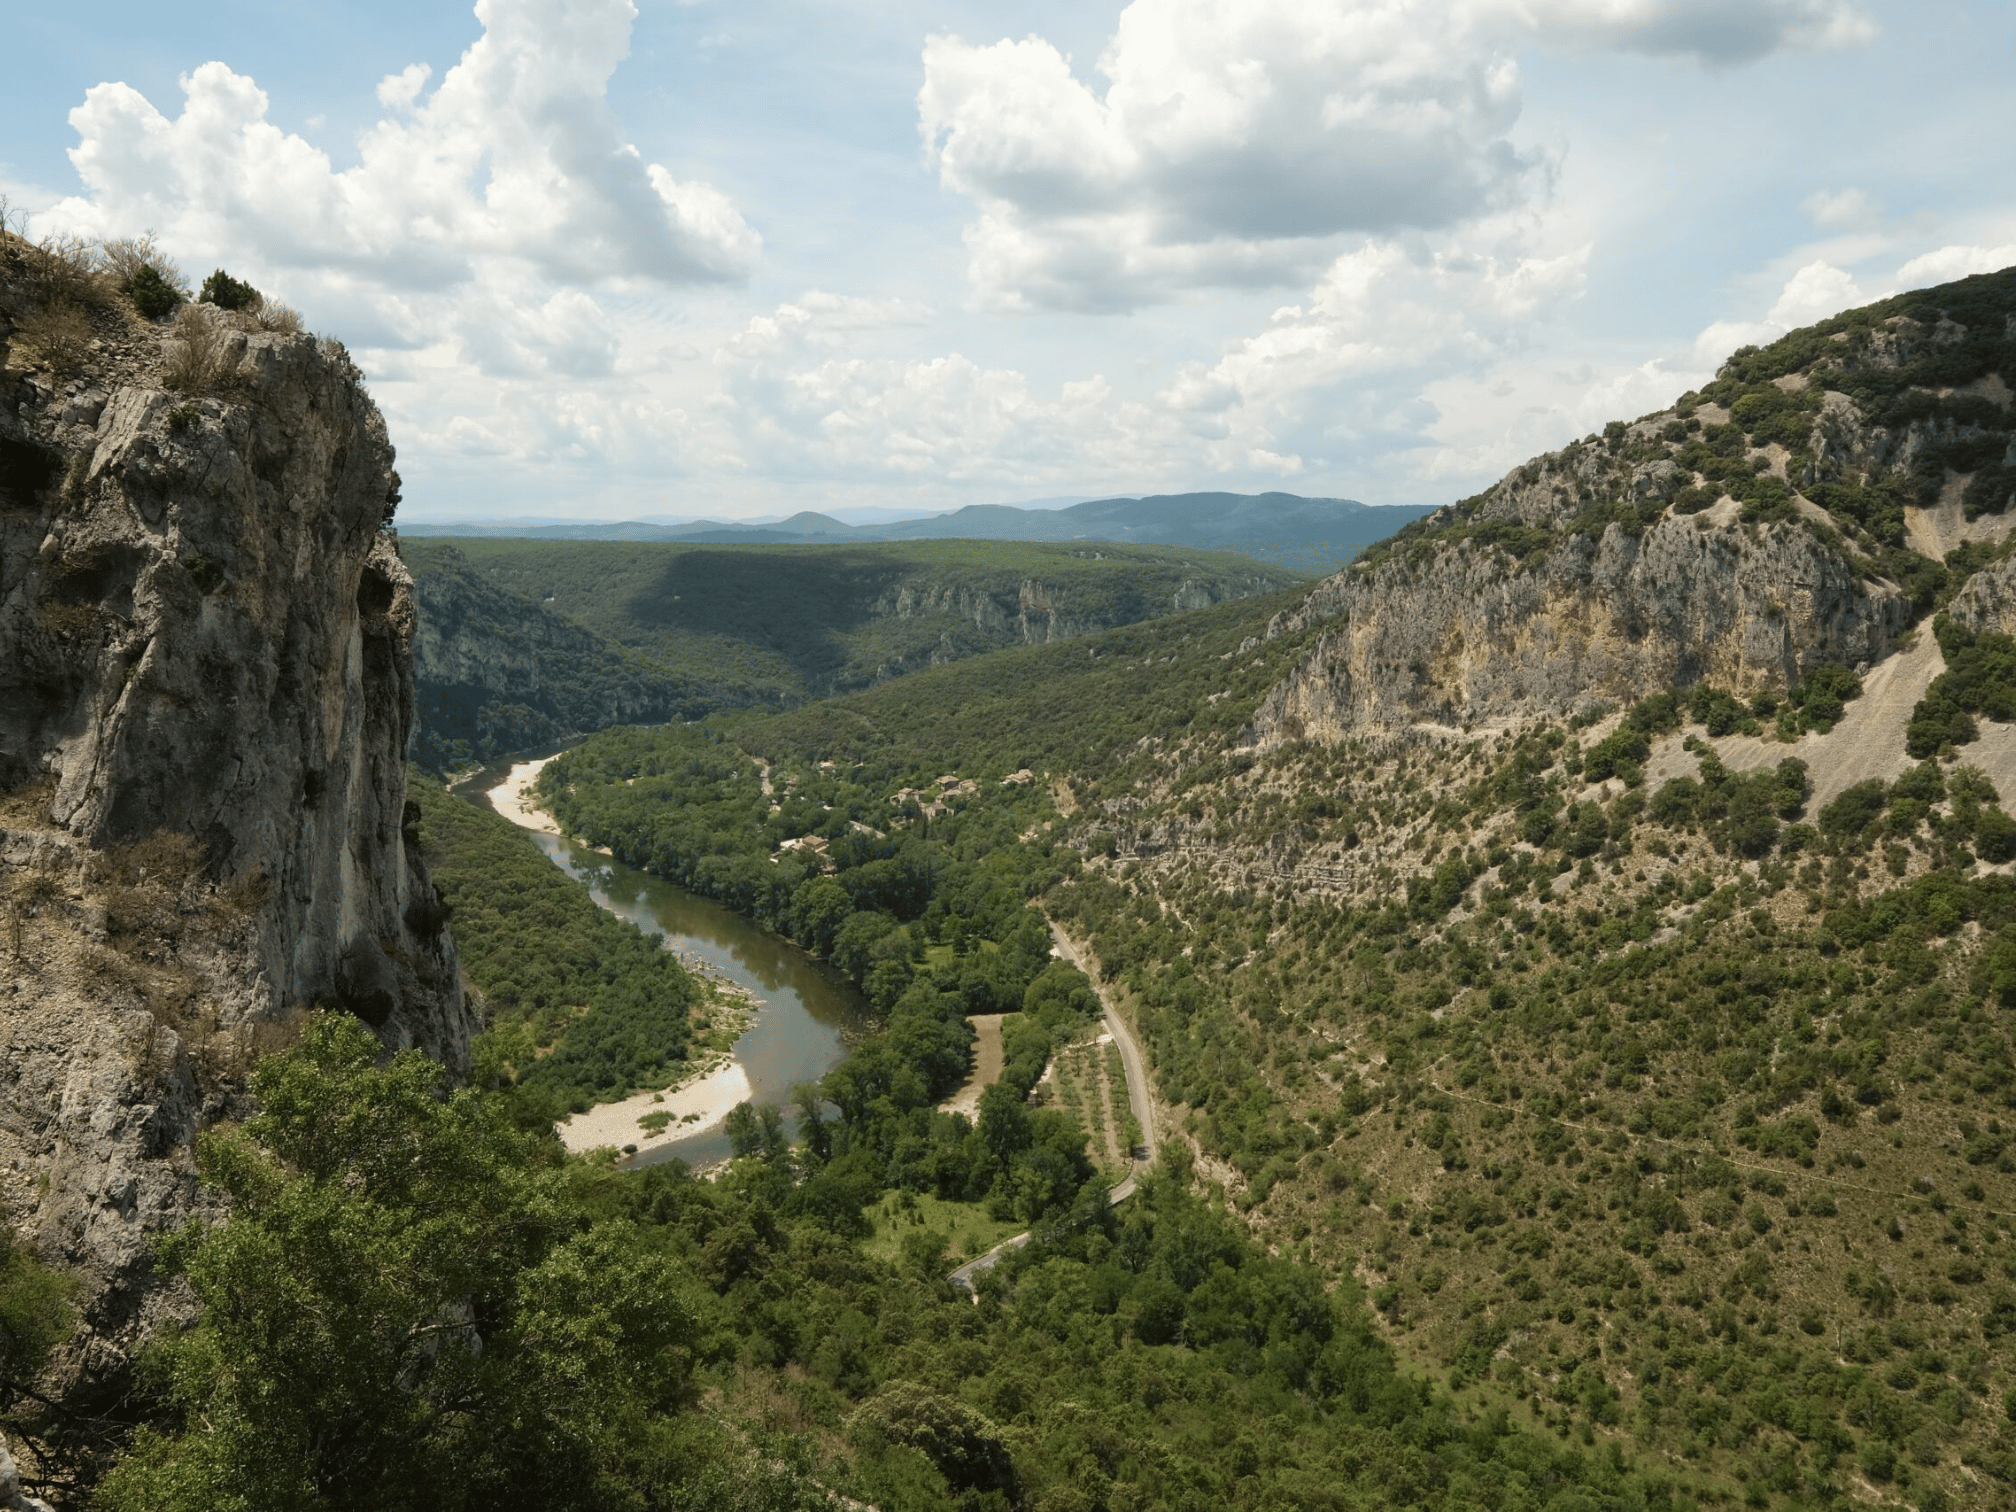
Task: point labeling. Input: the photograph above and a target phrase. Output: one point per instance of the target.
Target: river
(806, 1008)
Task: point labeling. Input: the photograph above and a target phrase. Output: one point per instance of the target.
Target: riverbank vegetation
(583, 1007)
(1663, 1114)
(416, 1304)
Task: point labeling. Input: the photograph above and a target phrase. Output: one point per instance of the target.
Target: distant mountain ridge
(1311, 535)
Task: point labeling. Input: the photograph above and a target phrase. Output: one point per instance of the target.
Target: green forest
(419, 1300)
(781, 624)
(498, 673)
(584, 1007)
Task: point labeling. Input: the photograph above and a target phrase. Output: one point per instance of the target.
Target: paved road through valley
(1138, 1099)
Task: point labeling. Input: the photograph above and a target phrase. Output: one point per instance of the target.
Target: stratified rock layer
(1471, 635)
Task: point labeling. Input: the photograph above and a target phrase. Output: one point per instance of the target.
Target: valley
(1638, 1053)
(527, 642)
(1521, 1022)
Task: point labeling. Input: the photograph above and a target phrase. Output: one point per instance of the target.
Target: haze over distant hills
(1311, 535)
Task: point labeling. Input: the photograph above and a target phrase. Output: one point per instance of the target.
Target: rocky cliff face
(1987, 601)
(206, 696)
(497, 672)
(1040, 612)
(1472, 635)
(1792, 514)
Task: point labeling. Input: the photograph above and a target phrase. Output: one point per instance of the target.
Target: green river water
(806, 1007)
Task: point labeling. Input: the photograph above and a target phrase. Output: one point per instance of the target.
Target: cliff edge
(206, 698)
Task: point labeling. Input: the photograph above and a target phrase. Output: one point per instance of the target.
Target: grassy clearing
(967, 1228)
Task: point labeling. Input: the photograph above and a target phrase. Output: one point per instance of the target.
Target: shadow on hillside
(796, 607)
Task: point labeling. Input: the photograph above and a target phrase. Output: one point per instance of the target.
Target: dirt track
(1138, 1095)
(987, 1063)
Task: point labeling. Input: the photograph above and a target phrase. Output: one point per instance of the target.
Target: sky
(601, 259)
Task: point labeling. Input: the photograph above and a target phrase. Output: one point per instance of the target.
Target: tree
(151, 293)
(400, 1310)
(228, 293)
(968, 1450)
(754, 1130)
(818, 909)
(1004, 1122)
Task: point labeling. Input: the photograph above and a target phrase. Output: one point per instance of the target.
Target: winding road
(1138, 1099)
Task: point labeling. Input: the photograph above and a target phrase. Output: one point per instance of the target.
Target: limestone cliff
(1987, 601)
(206, 696)
(1034, 613)
(1792, 514)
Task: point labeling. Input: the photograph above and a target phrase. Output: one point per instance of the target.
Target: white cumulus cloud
(798, 399)
(398, 91)
(1350, 363)
(1338, 374)
(515, 157)
(1240, 143)
(1945, 264)
(1229, 143)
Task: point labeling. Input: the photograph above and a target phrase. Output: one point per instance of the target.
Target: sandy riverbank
(513, 797)
(700, 1104)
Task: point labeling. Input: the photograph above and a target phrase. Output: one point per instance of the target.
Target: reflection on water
(796, 1036)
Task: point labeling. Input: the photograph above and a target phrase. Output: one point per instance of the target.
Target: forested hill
(1583, 1028)
(419, 1302)
(1639, 1043)
(525, 642)
(496, 672)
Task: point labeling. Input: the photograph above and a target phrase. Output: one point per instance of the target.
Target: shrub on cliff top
(151, 293)
(202, 359)
(228, 293)
(144, 273)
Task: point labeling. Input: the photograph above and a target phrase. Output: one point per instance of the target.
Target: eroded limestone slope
(1774, 523)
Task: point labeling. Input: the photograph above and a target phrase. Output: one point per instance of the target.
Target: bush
(228, 293)
(203, 356)
(1851, 813)
(275, 316)
(1722, 713)
(35, 1313)
(152, 294)
(1980, 678)
(54, 337)
(1823, 697)
(62, 269)
(137, 265)
(1994, 835)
